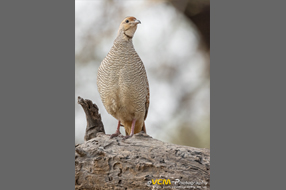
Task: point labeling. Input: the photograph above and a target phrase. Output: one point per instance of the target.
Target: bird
(122, 82)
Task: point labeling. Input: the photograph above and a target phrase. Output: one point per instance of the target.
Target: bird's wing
(147, 100)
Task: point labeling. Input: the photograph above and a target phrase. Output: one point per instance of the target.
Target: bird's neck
(122, 37)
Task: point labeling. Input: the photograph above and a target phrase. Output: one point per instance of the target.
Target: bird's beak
(137, 22)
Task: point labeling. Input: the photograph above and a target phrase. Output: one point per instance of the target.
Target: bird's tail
(128, 129)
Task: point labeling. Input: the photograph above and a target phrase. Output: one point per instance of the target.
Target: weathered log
(93, 118)
(136, 163)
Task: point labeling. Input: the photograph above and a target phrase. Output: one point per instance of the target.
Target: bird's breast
(122, 83)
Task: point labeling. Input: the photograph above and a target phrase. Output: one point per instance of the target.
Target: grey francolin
(122, 82)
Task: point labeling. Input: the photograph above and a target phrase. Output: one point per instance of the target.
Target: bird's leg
(117, 131)
(132, 130)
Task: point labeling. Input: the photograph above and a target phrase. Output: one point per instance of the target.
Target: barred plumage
(122, 81)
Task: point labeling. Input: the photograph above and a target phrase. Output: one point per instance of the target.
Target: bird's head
(128, 27)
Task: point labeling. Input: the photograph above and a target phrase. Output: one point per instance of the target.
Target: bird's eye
(127, 21)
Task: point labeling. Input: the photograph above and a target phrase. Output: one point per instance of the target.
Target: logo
(185, 184)
(160, 182)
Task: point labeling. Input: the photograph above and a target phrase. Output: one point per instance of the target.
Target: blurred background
(173, 42)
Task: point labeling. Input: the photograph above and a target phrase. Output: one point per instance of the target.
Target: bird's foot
(115, 135)
(127, 137)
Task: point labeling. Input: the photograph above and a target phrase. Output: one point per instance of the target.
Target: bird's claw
(115, 135)
(127, 137)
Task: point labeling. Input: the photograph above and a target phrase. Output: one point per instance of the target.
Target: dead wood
(93, 118)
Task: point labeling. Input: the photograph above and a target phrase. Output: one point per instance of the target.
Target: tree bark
(136, 163)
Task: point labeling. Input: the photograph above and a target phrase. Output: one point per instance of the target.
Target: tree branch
(93, 118)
